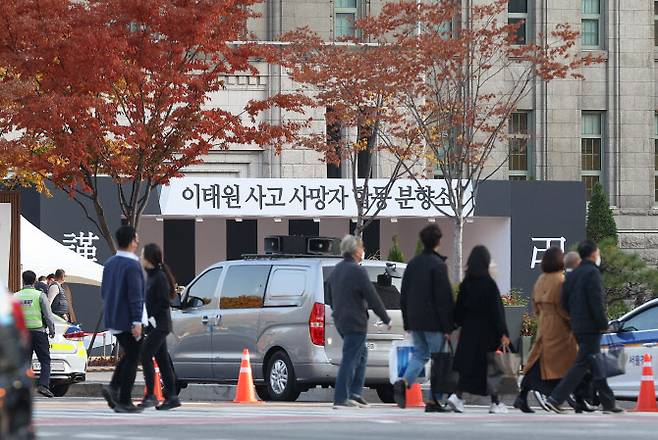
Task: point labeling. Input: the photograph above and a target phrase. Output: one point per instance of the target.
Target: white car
(637, 331)
(68, 357)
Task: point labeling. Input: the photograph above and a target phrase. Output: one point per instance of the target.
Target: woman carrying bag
(480, 314)
(160, 290)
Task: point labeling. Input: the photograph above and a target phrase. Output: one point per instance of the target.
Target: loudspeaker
(323, 246)
(284, 244)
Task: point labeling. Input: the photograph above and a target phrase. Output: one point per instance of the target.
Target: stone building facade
(604, 128)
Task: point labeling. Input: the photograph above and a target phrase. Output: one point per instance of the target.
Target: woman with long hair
(480, 314)
(555, 348)
(160, 290)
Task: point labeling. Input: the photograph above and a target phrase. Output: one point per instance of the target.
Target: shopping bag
(502, 372)
(443, 378)
(610, 364)
(398, 359)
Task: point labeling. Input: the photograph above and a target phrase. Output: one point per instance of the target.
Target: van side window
(244, 287)
(205, 287)
(286, 287)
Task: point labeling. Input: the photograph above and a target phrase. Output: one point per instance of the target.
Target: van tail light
(316, 324)
(74, 336)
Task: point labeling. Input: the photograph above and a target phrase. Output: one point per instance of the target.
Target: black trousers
(41, 346)
(123, 378)
(155, 345)
(587, 346)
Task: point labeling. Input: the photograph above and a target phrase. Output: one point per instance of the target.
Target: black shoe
(434, 407)
(577, 407)
(360, 401)
(111, 396)
(44, 391)
(400, 393)
(585, 405)
(127, 408)
(169, 404)
(149, 402)
(522, 404)
(554, 406)
(613, 410)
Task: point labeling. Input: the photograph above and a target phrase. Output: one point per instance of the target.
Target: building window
(517, 12)
(591, 150)
(655, 23)
(345, 14)
(518, 146)
(591, 23)
(655, 156)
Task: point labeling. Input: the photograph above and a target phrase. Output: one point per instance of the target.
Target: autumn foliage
(122, 88)
(440, 81)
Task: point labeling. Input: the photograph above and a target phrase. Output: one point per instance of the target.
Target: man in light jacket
(352, 293)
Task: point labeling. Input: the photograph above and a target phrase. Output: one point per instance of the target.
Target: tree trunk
(458, 249)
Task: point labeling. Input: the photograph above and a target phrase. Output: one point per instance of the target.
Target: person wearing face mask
(352, 294)
(583, 300)
(571, 261)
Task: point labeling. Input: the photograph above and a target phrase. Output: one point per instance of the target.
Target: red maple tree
(451, 76)
(122, 88)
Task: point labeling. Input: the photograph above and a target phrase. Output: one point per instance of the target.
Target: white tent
(43, 255)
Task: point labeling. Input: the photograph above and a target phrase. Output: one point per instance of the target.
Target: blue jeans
(352, 371)
(425, 343)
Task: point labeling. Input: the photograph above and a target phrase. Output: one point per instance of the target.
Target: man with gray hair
(571, 261)
(351, 294)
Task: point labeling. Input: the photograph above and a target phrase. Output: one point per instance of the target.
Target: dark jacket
(157, 299)
(122, 291)
(426, 298)
(583, 299)
(480, 314)
(351, 294)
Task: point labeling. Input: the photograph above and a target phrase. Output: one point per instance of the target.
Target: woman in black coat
(160, 289)
(480, 314)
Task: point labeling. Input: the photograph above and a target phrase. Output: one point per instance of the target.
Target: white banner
(316, 198)
(5, 242)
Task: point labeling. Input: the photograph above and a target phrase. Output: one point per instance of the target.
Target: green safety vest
(29, 299)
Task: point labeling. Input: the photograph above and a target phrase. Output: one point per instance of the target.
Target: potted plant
(516, 305)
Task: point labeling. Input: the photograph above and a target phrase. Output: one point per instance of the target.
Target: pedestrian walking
(57, 296)
(427, 305)
(555, 348)
(122, 290)
(39, 321)
(582, 298)
(480, 314)
(160, 290)
(571, 261)
(351, 294)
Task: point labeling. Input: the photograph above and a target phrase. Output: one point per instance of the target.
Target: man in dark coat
(426, 302)
(582, 298)
(352, 293)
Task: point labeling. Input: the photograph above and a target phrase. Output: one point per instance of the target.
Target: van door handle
(218, 320)
(204, 320)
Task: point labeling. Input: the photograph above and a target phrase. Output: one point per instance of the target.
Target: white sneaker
(498, 408)
(456, 403)
(349, 404)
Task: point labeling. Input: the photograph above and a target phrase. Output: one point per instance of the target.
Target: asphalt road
(85, 418)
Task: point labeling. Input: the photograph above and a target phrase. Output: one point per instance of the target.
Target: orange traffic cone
(157, 383)
(415, 397)
(245, 393)
(646, 401)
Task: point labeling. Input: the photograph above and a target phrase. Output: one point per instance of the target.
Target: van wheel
(280, 380)
(385, 393)
(60, 389)
(261, 390)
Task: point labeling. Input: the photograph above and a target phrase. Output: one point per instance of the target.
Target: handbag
(502, 372)
(609, 364)
(398, 359)
(443, 379)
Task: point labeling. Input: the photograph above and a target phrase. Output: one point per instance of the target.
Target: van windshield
(388, 293)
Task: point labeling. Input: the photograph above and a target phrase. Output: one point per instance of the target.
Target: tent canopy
(43, 255)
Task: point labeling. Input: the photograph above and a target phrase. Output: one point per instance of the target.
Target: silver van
(280, 309)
